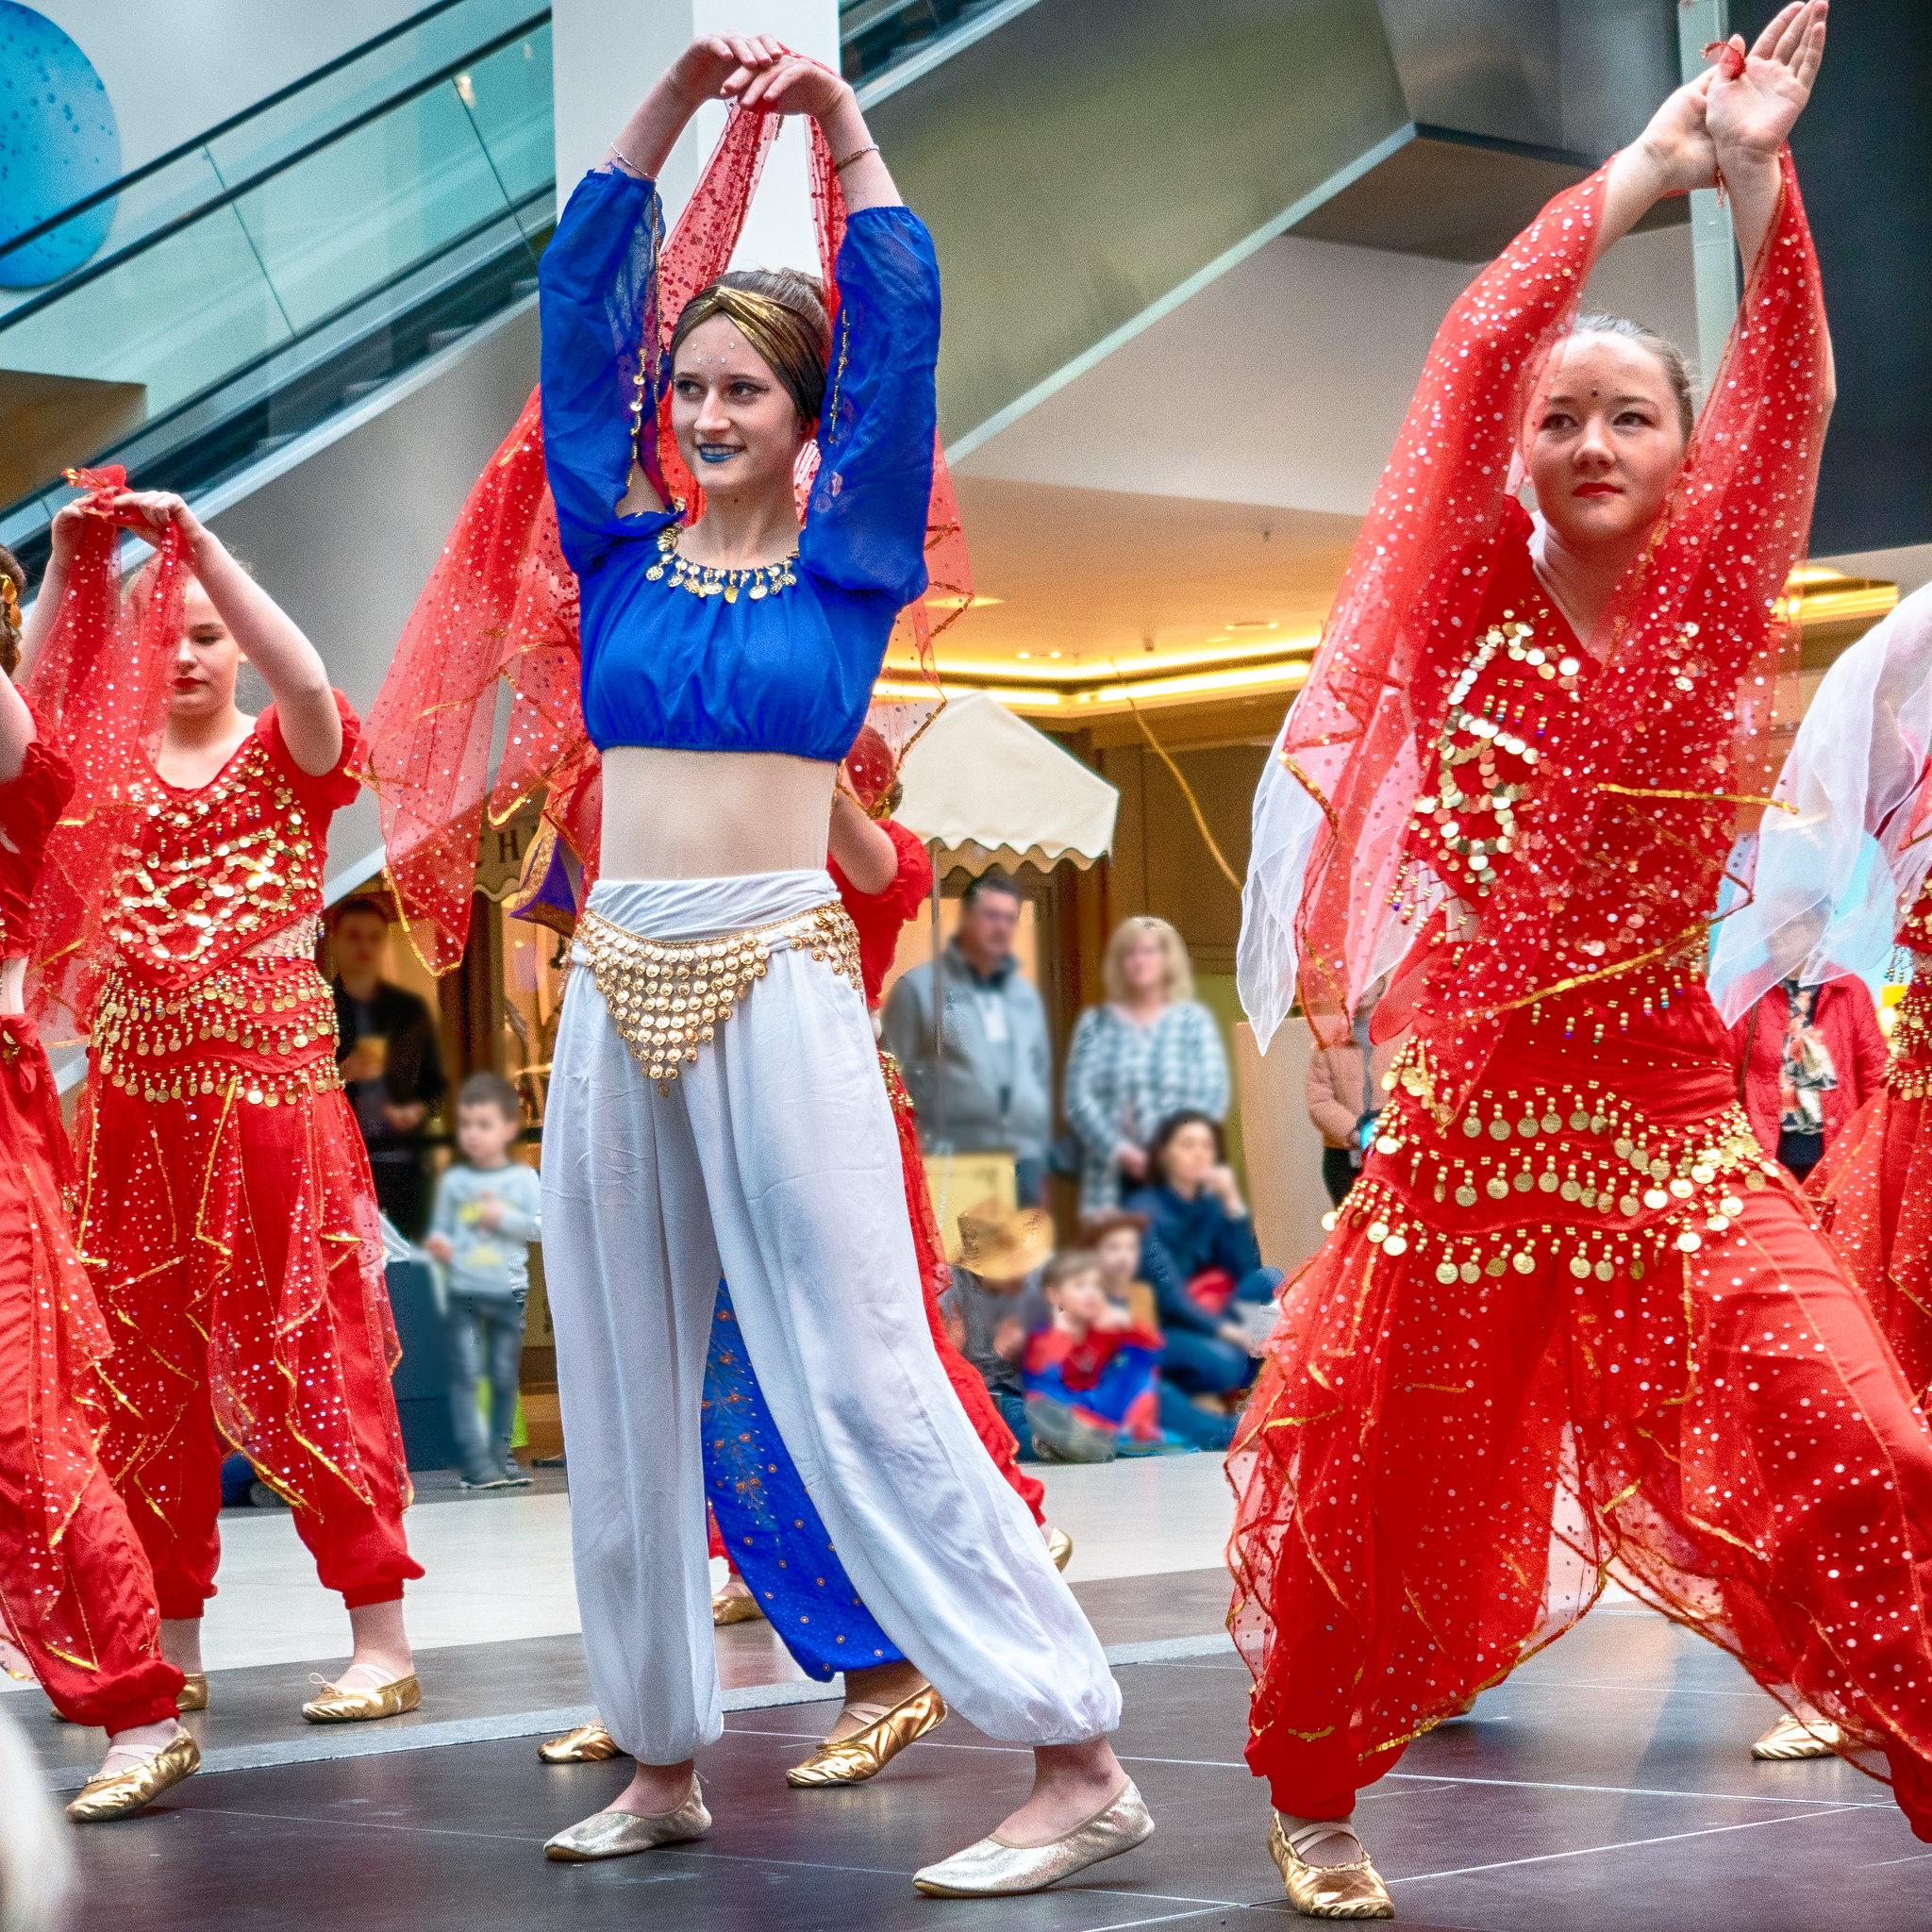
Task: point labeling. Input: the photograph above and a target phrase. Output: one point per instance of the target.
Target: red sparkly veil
(501, 604)
(1335, 803)
(101, 682)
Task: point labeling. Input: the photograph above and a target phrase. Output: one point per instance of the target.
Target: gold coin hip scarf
(668, 997)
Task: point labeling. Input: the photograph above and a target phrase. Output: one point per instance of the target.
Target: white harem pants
(772, 1161)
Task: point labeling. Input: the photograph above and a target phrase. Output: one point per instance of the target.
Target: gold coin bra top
(669, 997)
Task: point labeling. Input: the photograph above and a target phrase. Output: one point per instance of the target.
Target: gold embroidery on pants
(668, 997)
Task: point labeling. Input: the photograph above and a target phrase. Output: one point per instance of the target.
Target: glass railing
(874, 34)
(291, 260)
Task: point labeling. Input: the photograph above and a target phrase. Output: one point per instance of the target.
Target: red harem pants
(76, 1596)
(1789, 1516)
(237, 1258)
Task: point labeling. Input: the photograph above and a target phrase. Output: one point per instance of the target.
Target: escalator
(1087, 166)
(272, 273)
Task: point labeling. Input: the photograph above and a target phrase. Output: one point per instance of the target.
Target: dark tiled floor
(1607, 1787)
(261, 1706)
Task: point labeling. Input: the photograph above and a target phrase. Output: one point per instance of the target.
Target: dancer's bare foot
(656, 1788)
(869, 1694)
(1070, 1782)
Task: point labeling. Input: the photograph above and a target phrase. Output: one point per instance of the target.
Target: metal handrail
(147, 169)
(426, 84)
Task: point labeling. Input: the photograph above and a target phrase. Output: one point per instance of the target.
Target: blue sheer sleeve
(597, 301)
(865, 526)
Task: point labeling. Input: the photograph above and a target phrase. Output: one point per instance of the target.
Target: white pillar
(606, 54)
(1714, 247)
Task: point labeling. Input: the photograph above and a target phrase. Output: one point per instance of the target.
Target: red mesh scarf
(101, 682)
(1404, 623)
(502, 603)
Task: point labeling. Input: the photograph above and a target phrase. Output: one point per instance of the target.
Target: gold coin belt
(1596, 1188)
(1909, 1074)
(669, 997)
(172, 1045)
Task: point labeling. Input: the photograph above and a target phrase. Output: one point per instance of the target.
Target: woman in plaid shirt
(1151, 1050)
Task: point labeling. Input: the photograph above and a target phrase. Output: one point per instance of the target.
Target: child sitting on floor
(1088, 1374)
(1116, 1239)
(486, 1215)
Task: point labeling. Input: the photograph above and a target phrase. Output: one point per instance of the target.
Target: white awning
(992, 789)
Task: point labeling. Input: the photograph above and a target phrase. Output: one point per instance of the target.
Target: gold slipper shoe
(589, 1743)
(729, 1607)
(619, 1834)
(337, 1706)
(193, 1696)
(1792, 1738)
(1328, 1891)
(1059, 1546)
(121, 1793)
(866, 1753)
(994, 1868)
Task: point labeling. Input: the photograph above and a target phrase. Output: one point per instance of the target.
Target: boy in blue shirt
(487, 1214)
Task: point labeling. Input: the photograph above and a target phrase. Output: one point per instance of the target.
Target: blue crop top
(783, 659)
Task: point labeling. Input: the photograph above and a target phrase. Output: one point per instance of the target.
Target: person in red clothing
(226, 1212)
(1572, 1319)
(1808, 1057)
(76, 1596)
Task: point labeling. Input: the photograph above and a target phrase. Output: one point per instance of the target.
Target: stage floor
(1607, 1786)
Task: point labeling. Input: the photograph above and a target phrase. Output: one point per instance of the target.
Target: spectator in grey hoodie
(990, 1089)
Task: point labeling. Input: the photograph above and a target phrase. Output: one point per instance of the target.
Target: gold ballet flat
(734, 1609)
(193, 1696)
(589, 1743)
(339, 1707)
(1792, 1738)
(865, 1754)
(994, 1868)
(121, 1793)
(1329, 1891)
(1059, 1546)
(620, 1834)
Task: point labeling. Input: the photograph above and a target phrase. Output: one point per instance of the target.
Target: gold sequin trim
(669, 997)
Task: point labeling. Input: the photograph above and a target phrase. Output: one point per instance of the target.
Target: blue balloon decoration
(59, 142)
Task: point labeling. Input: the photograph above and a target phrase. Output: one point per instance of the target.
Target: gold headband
(10, 602)
(783, 338)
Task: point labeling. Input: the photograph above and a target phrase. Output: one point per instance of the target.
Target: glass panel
(278, 132)
(177, 317)
(370, 204)
(339, 269)
(509, 98)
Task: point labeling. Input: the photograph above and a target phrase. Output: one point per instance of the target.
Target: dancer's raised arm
(1728, 124)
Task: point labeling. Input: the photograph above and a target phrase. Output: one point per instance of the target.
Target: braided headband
(10, 604)
(783, 338)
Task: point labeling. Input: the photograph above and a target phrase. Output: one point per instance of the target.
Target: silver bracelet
(624, 161)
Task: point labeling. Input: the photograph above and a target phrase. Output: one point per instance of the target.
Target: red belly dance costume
(1873, 1191)
(226, 1211)
(1570, 1320)
(76, 1594)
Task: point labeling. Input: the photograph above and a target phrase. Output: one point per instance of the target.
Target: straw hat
(1003, 1242)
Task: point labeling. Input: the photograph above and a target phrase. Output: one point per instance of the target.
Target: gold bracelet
(857, 154)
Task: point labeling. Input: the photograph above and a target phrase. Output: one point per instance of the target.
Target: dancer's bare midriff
(713, 814)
